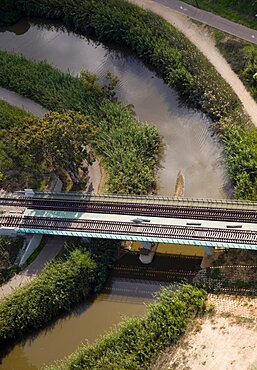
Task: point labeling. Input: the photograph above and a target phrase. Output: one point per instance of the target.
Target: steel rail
(135, 209)
(125, 228)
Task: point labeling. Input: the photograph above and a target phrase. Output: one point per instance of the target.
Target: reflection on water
(87, 322)
(189, 145)
(19, 28)
(129, 287)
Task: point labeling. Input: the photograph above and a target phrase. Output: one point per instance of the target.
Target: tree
(106, 89)
(54, 142)
(8, 12)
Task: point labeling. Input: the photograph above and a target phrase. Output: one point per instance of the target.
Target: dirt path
(201, 38)
(53, 246)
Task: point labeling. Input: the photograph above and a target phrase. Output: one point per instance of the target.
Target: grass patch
(66, 280)
(138, 341)
(242, 56)
(242, 11)
(174, 58)
(127, 148)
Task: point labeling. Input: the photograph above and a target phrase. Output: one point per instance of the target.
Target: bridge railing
(152, 199)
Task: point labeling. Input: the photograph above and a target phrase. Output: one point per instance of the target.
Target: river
(189, 143)
(190, 147)
(128, 288)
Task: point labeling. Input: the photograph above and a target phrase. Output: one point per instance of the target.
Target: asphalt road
(212, 20)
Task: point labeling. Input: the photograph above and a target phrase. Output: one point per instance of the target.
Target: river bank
(202, 163)
(190, 189)
(206, 45)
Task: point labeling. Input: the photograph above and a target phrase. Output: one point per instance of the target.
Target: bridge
(200, 222)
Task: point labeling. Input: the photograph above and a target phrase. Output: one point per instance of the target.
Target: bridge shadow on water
(130, 283)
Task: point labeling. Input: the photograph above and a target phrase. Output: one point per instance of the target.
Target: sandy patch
(238, 306)
(219, 344)
(225, 341)
(202, 39)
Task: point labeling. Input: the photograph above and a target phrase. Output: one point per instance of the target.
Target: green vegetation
(66, 280)
(158, 43)
(242, 57)
(241, 142)
(10, 117)
(172, 55)
(32, 148)
(241, 151)
(9, 13)
(58, 141)
(240, 11)
(128, 150)
(137, 341)
(9, 249)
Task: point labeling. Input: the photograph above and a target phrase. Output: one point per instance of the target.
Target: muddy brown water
(189, 146)
(189, 143)
(130, 287)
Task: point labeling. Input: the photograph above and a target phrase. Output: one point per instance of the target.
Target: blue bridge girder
(201, 222)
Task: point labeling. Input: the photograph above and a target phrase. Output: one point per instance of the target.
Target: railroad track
(134, 209)
(131, 229)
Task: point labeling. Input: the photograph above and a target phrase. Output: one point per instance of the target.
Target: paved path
(212, 20)
(205, 43)
(21, 102)
(53, 246)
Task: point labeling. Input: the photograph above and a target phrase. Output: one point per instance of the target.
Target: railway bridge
(200, 222)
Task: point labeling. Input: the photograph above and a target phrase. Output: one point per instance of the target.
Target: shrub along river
(190, 147)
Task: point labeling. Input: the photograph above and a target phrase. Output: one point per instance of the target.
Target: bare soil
(219, 343)
(201, 37)
(223, 341)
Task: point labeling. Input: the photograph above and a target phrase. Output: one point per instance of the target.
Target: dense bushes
(9, 118)
(8, 12)
(241, 142)
(138, 341)
(179, 62)
(242, 57)
(9, 249)
(128, 149)
(241, 151)
(64, 281)
(32, 149)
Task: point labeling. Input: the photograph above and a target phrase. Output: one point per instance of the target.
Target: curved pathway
(22, 102)
(212, 20)
(201, 38)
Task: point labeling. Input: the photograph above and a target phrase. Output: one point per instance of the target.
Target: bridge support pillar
(147, 252)
(147, 246)
(208, 251)
(30, 248)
